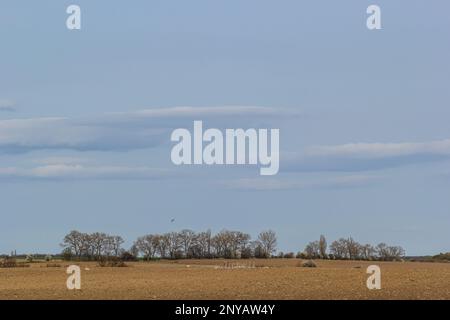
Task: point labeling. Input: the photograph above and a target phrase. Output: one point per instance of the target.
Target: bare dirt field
(208, 279)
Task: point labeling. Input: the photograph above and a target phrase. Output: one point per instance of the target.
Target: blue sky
(86, 116)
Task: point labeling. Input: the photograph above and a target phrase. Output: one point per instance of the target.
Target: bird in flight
(172, 220)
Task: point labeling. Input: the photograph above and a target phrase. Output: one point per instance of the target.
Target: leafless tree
(203, 243)
(92, 246)
(382, 251)
(368, 252)
(134, 251)
(386, 252)
(225, 244)
(186, 238)
(396, 252)
(73, 241)
(257, 249)
(312, 250)
(173, 244)
(339, 249)
(98, 243)
(147, 245)
(268, 240)
(221, 244)
(114, 244)
(238, 242)
(352, 248)
(323, 247)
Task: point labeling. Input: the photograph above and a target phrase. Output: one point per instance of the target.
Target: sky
(86, 117)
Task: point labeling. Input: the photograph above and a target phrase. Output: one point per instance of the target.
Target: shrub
(246, 253)
(309, 264)
(12, 263)
(67, 254)
(111, 262)
(53, 265)
(127, 256)
(8, 263)
(301, 255)
(48, 258)
(289, 255)
(442, 256)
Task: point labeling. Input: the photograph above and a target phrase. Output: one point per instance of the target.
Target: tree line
(349, 249)
(171, 245)
(188, 244)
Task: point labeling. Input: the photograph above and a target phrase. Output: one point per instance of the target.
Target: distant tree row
(349, 249)
(225, 244)
(189, 244)
(91, 246)
(172, 245)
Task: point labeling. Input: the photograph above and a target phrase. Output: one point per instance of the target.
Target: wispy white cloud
(119, 131)
(19, 135)
(366, 156)
(193, 112)
(270, 184)
(82, 172)
(61, 160)
(383, 150)
(7, 105)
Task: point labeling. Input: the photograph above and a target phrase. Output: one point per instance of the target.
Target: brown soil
(208, 279)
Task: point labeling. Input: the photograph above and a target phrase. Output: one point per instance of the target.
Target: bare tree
(98, 242)
(258, 250)
(147, 245)
(186, 238)
(339, 249)
(73, 241)
(163, 245)
(225, 244)
(220, 243)
(173, 244)
(323, 247)
(387, 253)
(382, 251)
(243, 243)
(352, 248)
(238, 241)
(92, 246)
(312, 250)
(134, 251)
(114, 245)
(368, 252)
(268, 240)
(396, 252)
(248, 251)
(88, 246)
(203, 243)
